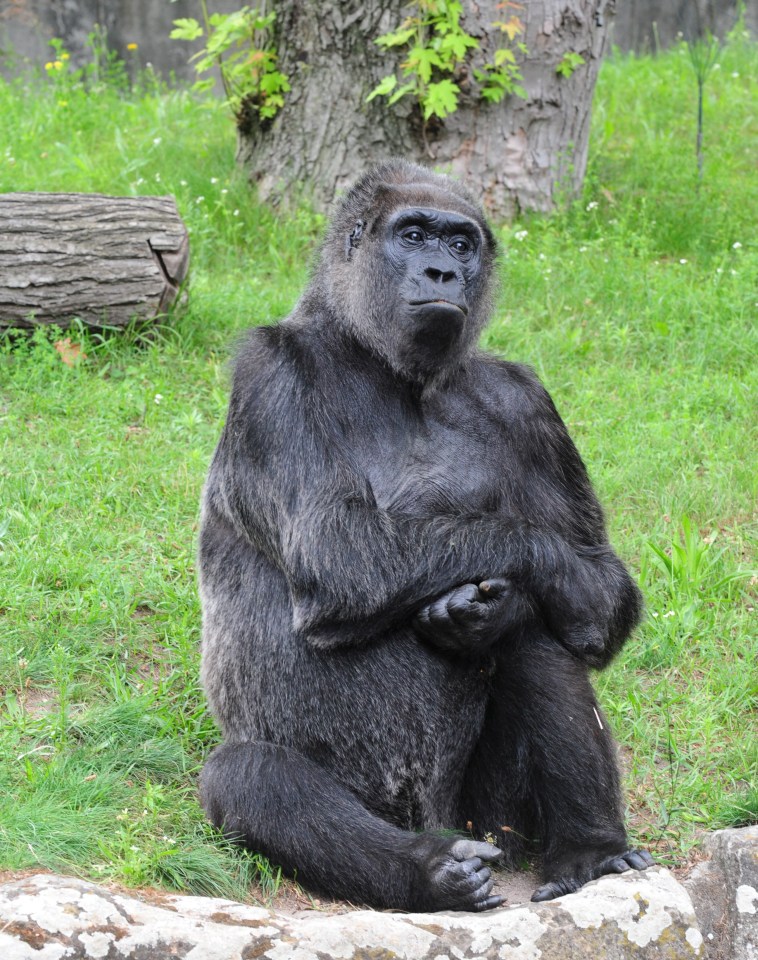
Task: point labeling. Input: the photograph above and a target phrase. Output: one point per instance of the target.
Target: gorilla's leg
(279, 803)
(545, 768)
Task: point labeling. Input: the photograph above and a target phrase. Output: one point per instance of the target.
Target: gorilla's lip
(440, 301)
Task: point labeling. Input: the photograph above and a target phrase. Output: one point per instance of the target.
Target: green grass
(637, 305)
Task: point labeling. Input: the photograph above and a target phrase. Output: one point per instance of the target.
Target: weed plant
(636, 305)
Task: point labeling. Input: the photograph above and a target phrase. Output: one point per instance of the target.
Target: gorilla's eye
(461, 245)
(413, 235)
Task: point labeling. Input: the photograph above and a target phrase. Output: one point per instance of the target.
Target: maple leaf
(512, 27)
(70, 353)
(421, 60)
(441, 99)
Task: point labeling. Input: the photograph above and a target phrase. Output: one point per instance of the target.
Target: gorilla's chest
(429, 469)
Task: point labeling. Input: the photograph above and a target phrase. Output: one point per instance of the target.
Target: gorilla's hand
(470, 618)
(579, 609)
(585, 640)
(453, 874)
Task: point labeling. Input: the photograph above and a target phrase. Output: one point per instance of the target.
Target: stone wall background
(26, 26)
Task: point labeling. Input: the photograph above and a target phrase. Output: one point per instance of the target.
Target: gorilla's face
(407, 268)
(434, 259)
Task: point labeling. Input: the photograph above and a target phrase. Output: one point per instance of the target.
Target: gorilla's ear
(354, 238)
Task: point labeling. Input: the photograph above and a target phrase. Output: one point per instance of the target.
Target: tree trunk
(520, 154)
(104, 260)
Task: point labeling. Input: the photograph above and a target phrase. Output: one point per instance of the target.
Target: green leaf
(401, 92)
(204, 63)
(202, 86)
(396, 39)
(186, 28)
(456, 44)
(420, 61)
(441, 99)
(272, 83)
(492, 94)
(503, 55)
(384, 88)
(569, 63)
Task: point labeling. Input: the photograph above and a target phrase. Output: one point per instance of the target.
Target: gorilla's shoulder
(280, 357)
(268, 347)
(506, 386)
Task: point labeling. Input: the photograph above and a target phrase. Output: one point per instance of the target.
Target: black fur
(405, 575)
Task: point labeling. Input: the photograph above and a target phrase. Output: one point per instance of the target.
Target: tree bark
(519, 154)
(104, 260)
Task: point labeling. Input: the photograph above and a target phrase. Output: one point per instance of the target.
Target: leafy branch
(436, 47)
(238, 45)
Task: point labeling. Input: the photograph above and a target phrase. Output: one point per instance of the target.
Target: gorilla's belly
(395, 743)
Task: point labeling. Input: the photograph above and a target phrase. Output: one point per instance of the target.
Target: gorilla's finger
(438, 613)
(489, 904)
(483, 890)
(468, 849)
(639, 859)
(493, 588)
(459, 602)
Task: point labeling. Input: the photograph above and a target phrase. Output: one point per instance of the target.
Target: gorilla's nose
(439, 276)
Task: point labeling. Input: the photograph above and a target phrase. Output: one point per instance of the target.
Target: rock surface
(724, 890)
(637, 915)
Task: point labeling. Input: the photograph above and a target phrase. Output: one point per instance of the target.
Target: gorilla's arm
(592, 604)
(353, 569)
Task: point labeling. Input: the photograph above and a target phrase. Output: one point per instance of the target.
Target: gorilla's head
(406, 267)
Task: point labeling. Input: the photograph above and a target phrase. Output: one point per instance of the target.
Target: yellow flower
(48, 66)
(65, 56)
(58, 64)
(131, 46)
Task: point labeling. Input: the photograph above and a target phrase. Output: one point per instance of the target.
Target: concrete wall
(647, 25)
(26, 26)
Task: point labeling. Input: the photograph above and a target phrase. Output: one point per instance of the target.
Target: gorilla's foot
(455, 876)
(573, 877)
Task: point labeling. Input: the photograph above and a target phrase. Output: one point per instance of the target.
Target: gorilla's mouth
(446, 305)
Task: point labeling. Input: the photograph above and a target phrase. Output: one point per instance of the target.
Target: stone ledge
(636, 915)
(724, 890)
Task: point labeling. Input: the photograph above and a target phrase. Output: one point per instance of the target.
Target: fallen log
(103, 260)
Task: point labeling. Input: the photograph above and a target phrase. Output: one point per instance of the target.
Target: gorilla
(405, 579)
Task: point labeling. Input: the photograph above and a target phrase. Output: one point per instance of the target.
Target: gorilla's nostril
(439, 276)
